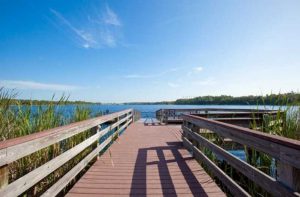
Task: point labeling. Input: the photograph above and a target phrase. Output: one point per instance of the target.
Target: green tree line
(269, 99)
(46, 102)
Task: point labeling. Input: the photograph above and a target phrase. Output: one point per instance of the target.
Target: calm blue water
(239, 153)
(148, 111)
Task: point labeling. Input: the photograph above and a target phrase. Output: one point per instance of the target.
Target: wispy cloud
(139, 76)
(198, 69)
(32, 85)
(86, 38)
(111, 18)
(145, 76)
(98, 30)
(205, 82)
(173, 85)
(195, 70)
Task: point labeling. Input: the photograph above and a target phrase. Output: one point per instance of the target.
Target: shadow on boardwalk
(139, 179)
(146, 161)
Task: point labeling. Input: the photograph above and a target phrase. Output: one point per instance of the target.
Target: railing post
(190, 126)
(184, 124)
(184, 134)
(289, 176)
(118, 127)
(134, 115)
(195, 129)
(3, 176)
(164, 114)
(98, 127)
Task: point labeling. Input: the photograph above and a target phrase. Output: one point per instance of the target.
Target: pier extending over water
(129, 158)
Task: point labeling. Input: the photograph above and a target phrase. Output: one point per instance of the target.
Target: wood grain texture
(63, 182)
(3, 176)
(14, 149)
(146, 161)
(25, 182)
(268, 183)
(233, 187)
(281, 148)
(175, 115)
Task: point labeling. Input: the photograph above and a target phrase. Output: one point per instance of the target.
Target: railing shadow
(139, 179)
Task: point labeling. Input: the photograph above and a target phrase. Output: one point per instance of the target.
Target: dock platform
(146, 161)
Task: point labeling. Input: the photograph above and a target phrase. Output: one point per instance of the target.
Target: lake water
(148, 111)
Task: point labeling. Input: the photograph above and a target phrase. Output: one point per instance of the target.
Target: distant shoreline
(291, 98)
(45, 102)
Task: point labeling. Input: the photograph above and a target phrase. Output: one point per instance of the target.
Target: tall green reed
(18, 120)
(286, 123)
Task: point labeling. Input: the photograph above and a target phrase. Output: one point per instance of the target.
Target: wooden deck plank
(146, 161)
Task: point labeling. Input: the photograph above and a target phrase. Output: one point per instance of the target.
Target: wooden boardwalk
(150, 160)
(146, 161)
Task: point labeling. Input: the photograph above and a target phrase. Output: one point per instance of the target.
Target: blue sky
(119, 51)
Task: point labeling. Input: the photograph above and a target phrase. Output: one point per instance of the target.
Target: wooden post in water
(3, 176)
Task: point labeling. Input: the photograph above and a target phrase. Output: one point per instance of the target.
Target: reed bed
(285, 123)
(18, 120)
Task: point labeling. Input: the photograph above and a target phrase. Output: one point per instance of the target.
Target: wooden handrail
(219, 109)
(63, 182)
(233, 187)
(285, 151)
(12, 150)
(165, 115)
(267, 143)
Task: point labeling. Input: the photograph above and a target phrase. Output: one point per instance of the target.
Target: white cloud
(86, 45)
(31, 85)
(136, 76)
(86, 38)
(111, 18)
(109, 39)
(94, 32)
(139, 76)
(205, 82)
(173, 85)
(198, 69)
(143, 76)
(194, 70)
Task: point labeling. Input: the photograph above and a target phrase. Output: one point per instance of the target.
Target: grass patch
(18, 120)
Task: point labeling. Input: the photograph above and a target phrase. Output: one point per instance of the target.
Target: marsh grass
(19, 120)
(286, 123)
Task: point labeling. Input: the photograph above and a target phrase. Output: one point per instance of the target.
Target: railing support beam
(289, 176)
(3, 176)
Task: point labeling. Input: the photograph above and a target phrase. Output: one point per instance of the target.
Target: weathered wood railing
(14, 149)
(285, 151)
(175, 115)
